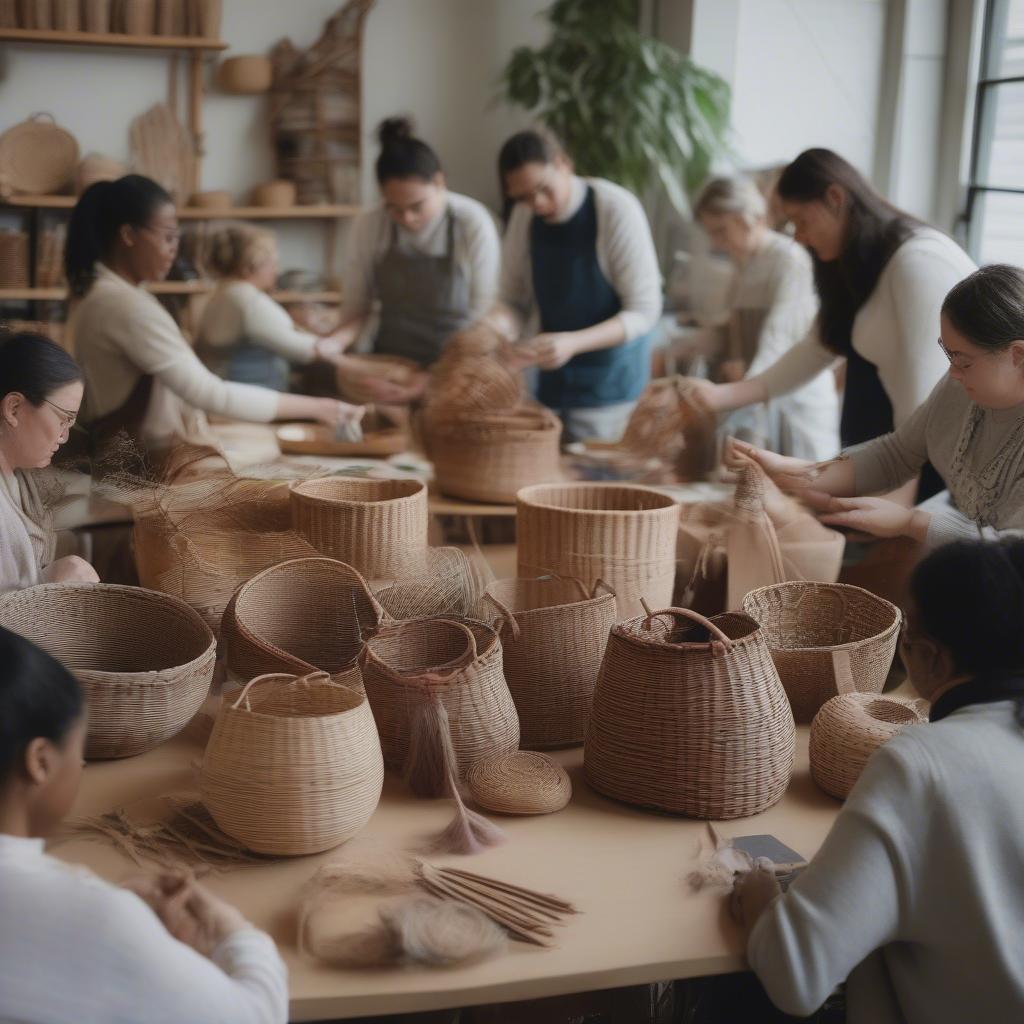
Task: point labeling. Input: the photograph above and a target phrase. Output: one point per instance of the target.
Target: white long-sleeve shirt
(917, 888)
(625, 254)
(76, 950)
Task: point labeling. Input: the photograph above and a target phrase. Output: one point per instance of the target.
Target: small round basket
(521, 782)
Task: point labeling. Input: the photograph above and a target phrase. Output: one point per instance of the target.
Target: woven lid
(521, 782)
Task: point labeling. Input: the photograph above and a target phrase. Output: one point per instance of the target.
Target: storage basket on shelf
(293, 765)
(624, 535)
(825, 638)
(553, 637)
(849, 728)
(373, 525)
(144, 660)
(689, 716)
(455, 661)
(13, 259)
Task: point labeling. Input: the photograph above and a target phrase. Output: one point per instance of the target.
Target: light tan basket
(374, 525)
(689, 716)
(553, 638)
(826, 638)
(624, 535)
(465, 384)
(293, 766)
(519, 783)
(456, 660)
(37, 156)
(96, 16)
(13, 259)
(849, 728)
(247, 75)
(144, 660)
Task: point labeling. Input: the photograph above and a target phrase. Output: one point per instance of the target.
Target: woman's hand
(753, 892)
(333, 412)
(876, 516)
(549, 351)
(789, 473)
(70, 569)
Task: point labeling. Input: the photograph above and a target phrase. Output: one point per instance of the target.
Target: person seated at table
(40, 392)
(915, 893)
(75, 948)
(971, 429)
(141, 374)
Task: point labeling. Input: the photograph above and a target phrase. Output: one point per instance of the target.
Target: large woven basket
(826, 638)
(458, 661)
(293, 766)
(553, 638)
(624, 535)
(374, 525)
(689, 716)
(144, 660)
(304, 615)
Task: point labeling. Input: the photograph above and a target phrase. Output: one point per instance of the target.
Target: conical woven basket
(689, 716)
(456, 660)
(144, 660)
(553, 637)
(373, 525)
(624, 535)
(293, 765)
(826, 638)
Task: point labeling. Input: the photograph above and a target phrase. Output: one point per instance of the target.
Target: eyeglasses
(957, 360)
(67, 418)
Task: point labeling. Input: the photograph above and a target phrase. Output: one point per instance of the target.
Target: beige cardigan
(27, 540)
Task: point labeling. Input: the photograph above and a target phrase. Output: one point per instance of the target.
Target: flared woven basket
(293, 765)
(826, 638)
(144, 660)
(849, 728)
(553, 637)
(456, 660)
(689, 716)
(373, 525)
(624, 535)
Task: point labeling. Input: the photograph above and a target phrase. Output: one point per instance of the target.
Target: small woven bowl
(521, 782)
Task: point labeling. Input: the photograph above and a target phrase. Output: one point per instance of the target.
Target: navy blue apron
(572, 293)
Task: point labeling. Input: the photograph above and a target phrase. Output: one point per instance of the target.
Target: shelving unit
(164, 288)
(324, 211)
(52, 37)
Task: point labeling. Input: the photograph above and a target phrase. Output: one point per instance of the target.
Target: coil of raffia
(826, 638)
(373, 525)
(456, 661)
(144, 660)
(689, 716)
(522, 782)
(553, 637)
(624, 535)
(293, 765)
(849, 728)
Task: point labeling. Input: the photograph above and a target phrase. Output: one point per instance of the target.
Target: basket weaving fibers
(689, 716)
(457, 662)
(553, 638)
(144, 660)
(374, 525)
(519, 783)
(435, 581)
(826, 638)
(472, 376)
(293, 766)
(848, 729)
(624, 535)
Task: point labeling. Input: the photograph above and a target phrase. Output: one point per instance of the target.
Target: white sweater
(76, 950)
(918, 883)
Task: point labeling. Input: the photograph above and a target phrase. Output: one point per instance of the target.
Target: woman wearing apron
(580, 274)
(426, 257)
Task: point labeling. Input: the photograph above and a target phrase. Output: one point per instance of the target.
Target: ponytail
(402, 155)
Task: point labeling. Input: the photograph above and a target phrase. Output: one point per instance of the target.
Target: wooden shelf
(25, 294)
(54, 38)
(165, 288)
(320, 211)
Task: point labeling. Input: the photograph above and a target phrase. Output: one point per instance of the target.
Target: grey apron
(423, 300)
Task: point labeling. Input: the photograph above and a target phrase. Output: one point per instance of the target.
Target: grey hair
(732, 195)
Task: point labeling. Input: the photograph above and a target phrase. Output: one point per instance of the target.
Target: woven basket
(374, 525)
(37, 156)
(465, 384)
(458, 660)
(553, 637)
(144, 660)
(492, 456)
(826, 638)
(519, 783)
(625, 535)
(13, 259)
(849, 728)
(303, 615)
(690, 717)
(293, 766)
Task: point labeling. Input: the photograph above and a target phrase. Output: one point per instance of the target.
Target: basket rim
(526, 496)
(297, 492)
(361, 700)
(705, 645)
(407, 676)
(591, 600)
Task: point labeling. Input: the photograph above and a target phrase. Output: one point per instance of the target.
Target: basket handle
(466, 658)
(506, 613)
(843, 672)
(686, 613)
(608, 588)
(244, 695)
(551, 574)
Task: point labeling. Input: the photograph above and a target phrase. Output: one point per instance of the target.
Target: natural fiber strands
(472, 377)
(144, 660)
(553, 637)
(293, 765)
(519, 783)
(849, 728)
(689, 716)
(373, 525)
(436, 581)
(624, 535)
(826, 638)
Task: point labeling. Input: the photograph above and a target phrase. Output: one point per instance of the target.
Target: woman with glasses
(580, 284)
(40, 392)
(141, 374)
